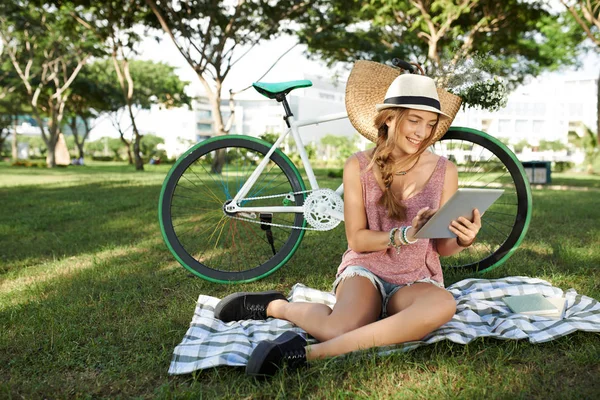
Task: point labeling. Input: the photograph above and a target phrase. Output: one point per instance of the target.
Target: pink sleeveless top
(415, 261)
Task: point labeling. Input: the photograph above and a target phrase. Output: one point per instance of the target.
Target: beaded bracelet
(392, 242)
(405, 236)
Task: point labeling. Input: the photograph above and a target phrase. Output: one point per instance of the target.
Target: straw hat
(373, 87)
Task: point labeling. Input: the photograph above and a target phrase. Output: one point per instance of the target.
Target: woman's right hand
(421, 218)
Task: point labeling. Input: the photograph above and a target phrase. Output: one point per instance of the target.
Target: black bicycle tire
(190, 263)
(523, 192)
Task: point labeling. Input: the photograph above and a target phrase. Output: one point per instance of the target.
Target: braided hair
(382, 156)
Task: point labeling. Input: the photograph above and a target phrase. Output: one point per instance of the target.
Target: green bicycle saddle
(272, 90)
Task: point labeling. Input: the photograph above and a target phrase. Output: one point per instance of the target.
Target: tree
(13, 102)
(114, 22)
(149, 144)
(47, 50)
(92, 95)
(211, 34)
(156, 84)
(587, 15)
(343, 146)
(590, 145)
(518, 38)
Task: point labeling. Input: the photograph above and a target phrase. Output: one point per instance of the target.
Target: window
(200, 138)
(326, 96)
(539, 109)
(504, 126)
(204, 127)
(203, 114)
(575, 110)
(538, 126)
(521, 126)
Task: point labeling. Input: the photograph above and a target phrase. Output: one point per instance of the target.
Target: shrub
(103, 158)
(335, 173)
(562, 166)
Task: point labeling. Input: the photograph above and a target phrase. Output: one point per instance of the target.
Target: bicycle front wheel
(223, 247)
(485, 162)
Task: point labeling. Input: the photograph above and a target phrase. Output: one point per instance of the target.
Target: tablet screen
(461, 204)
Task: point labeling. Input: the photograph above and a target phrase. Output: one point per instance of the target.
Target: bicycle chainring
(317, 206)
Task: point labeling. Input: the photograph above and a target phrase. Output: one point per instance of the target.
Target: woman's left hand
(466, 230)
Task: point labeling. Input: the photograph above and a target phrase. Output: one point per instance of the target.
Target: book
(536, 304)
(559, 303)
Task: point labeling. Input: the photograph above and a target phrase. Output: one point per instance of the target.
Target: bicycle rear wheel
(227, 248)
(485, 162)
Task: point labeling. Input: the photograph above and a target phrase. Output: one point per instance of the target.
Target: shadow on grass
(100, 331)
(40, 223)
(110, 330)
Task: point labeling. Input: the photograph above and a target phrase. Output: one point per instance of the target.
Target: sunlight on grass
(92, 303)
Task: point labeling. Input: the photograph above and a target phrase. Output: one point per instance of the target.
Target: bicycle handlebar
(396, 62)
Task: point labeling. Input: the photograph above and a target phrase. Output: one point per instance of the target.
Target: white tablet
(461, 204)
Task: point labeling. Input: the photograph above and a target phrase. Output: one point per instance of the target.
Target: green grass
(92, 303)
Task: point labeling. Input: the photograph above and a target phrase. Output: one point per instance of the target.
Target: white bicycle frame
(233, 206)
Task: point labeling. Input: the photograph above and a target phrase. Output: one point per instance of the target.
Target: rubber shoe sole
(267, 357)
(229, 308)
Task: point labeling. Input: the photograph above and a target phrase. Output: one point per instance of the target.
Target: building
(545, 109)
(255, 115)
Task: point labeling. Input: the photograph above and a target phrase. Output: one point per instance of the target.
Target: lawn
(92, 303)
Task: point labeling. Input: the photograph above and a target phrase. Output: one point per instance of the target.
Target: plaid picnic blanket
(480, 312)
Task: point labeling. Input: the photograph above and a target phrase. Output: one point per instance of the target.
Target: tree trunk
(14, 147)
(128, 147)
(598, 111)
(51, 156)
(215, 100)
(432, 53)
(127, 87)
(79, 144)
(139, 163)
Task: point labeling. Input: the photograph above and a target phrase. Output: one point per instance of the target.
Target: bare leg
(417, 310)
(358, 303)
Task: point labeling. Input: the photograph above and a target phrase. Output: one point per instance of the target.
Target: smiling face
(411, 131)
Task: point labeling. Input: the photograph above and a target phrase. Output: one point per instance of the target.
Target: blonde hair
(382, 156)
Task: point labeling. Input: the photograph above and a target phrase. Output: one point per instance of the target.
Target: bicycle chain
(270, 223)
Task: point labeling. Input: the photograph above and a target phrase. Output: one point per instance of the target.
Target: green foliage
(156, 83)
(342, 146)
(589, 144)
(47, 48)
(562, 166)
(37, 146)
(269, 137)
(148, 144)
(520, 146)
(106, 149)
(519, 38)
(551, 145)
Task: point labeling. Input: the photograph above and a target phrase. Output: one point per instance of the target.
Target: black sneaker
(270, 355)
(240, 306)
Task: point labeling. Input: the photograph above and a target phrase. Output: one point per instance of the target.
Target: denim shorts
(386, 289)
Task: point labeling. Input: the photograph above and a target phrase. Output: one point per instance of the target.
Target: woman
(389, 287)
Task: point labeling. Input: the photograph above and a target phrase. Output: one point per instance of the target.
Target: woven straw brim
(367, 84)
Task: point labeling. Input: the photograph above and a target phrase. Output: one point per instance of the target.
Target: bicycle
(235, 208)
